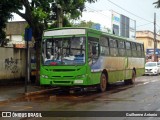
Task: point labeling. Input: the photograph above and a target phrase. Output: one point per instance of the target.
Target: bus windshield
(63, 51)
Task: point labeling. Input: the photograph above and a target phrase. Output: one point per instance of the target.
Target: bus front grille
(62, 76)
(62, 70)
(62, 82)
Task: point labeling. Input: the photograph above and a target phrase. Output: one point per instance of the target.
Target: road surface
(143, 96)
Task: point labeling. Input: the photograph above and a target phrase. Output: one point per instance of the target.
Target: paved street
(143, 96)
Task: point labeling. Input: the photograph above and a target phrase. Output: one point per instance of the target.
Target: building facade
(147, 37)
(15, 52)
(15, 32)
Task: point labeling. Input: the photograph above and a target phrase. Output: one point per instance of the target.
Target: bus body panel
(117, 67)
(137, 63)
(63, 75)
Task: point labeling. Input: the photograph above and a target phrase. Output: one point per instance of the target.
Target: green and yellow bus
(83, 57)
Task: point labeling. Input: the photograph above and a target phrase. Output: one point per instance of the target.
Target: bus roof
(96, 31)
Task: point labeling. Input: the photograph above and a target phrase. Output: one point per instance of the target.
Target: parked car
(152, 68)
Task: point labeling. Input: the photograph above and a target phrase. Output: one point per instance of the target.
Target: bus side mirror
(94, 51)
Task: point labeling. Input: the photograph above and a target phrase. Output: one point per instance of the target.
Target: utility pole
(155, 42)
(59, 15)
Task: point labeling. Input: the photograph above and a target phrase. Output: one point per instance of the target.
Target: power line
(133, 14)
(158, 25)
(144, 24)
(99, 12)
(129, 11)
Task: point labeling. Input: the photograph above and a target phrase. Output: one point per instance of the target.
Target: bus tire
(132, 80)
(133, 76)
(103, 83)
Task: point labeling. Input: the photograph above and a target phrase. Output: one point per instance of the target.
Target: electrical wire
(150, 22)
(129, 12)
(132, 13)
(144, 24)
(98, 12)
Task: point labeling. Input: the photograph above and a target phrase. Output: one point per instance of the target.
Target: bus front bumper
(65, 81)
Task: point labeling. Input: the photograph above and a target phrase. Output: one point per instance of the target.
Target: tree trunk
(38, 49)
(38, 38)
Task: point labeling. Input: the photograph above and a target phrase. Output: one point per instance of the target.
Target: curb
(40, 92)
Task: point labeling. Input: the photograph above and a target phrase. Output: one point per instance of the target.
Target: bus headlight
(44, 76)
(81, 76)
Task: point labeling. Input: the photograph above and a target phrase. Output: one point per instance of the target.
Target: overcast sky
(141, 8)
(143, 11)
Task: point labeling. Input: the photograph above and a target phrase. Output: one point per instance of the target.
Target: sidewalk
(16, 91)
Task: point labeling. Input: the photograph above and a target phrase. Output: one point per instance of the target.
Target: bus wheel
(132, 80)
(133, 77)
(103, 83)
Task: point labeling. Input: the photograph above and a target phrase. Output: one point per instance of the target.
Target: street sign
(28, 37)
(28, 34)
(96, 26)
(151, 51)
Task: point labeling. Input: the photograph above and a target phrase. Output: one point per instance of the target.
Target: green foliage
(4, 16)
(38, 13)
(66, 23)
(157, 4)
(84, 24)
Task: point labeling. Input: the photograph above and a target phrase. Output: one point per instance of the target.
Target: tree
(91, 24)
(157, 4)
(84, 24)
(38, 13)
(4, 16)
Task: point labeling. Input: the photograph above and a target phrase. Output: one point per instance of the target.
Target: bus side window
(128, 48)
(139, 50)
(93, 50)
(142, 50)
(134, 49)
(121, 48)
(113, 47)
(104, 47)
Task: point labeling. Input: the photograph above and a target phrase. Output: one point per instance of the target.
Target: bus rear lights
(44, 76)
(78, 81)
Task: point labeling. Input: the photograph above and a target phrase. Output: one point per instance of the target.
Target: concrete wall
(16, 38)
(16, 28)
(12, 63)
